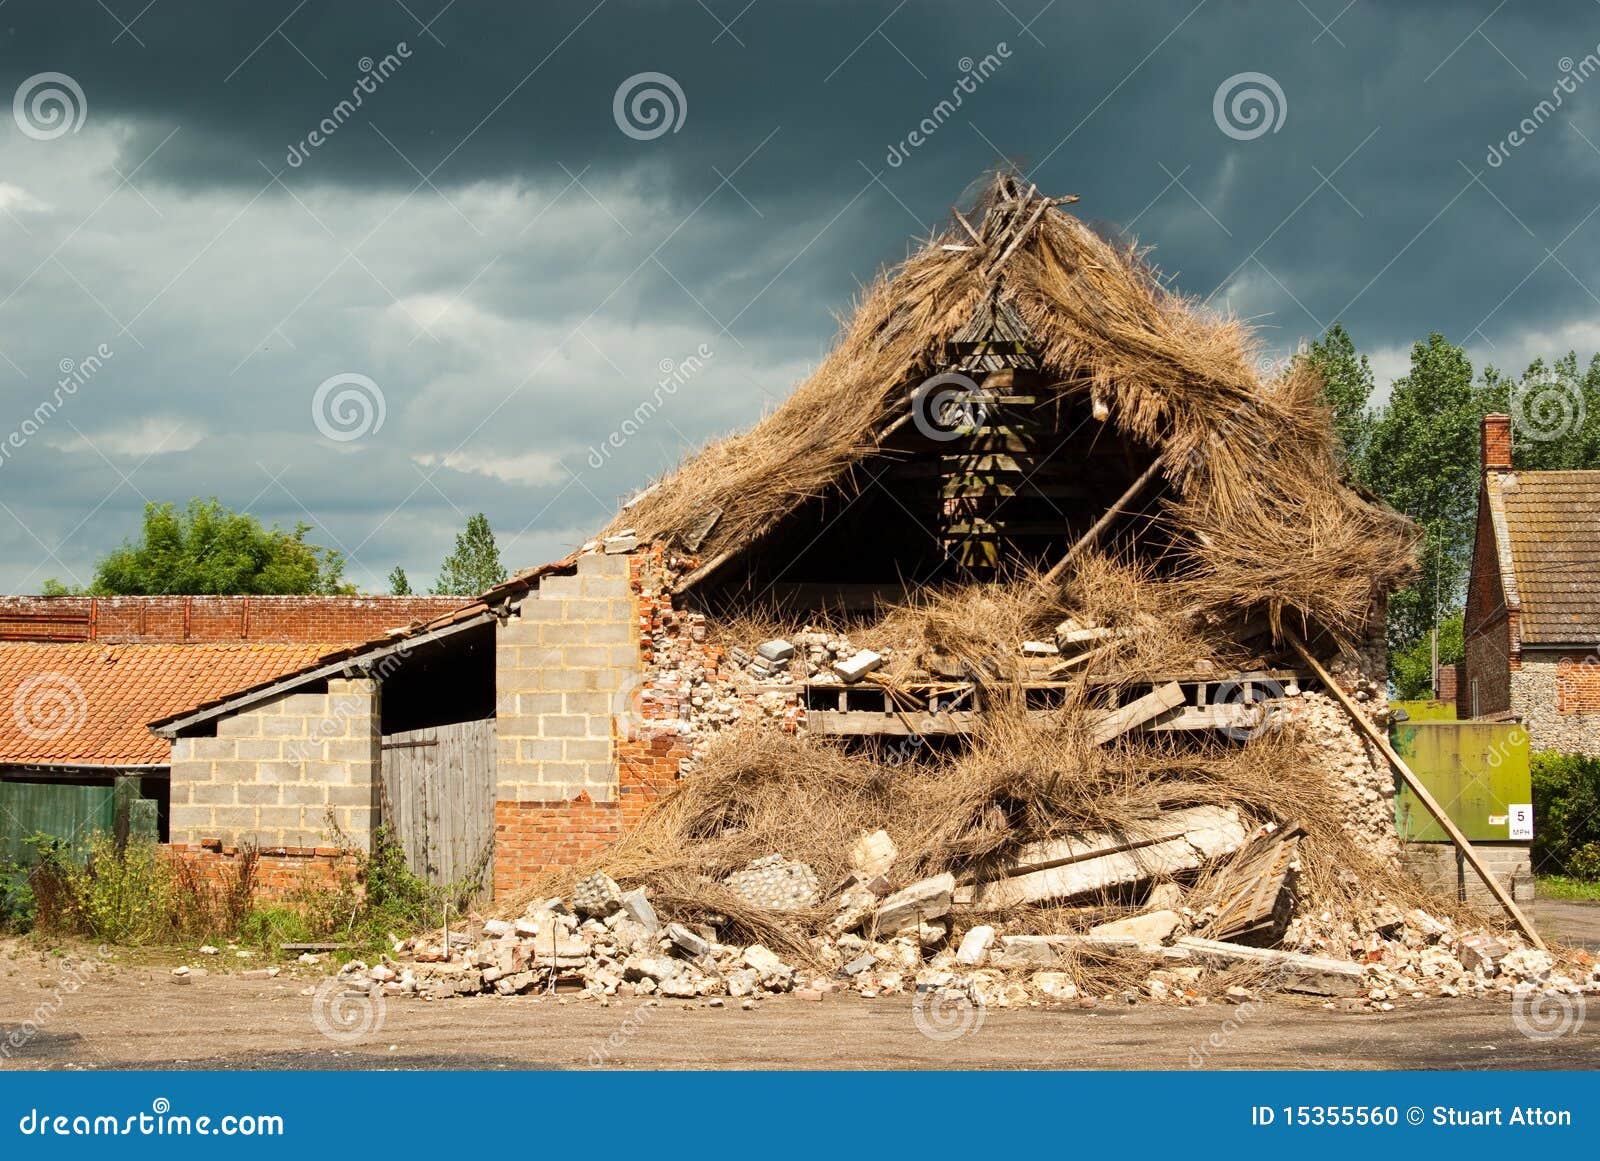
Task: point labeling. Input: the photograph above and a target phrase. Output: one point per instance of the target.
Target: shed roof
(86, 704)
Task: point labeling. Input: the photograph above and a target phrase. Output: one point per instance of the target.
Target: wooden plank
(1152, 705)
(1444, 820)
(1093, 534)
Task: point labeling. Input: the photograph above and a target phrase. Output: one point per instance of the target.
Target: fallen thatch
(1255, 500)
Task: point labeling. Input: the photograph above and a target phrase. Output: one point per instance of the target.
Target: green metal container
(1477, 771)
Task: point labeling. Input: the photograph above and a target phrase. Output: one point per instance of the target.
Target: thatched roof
(1254, 486)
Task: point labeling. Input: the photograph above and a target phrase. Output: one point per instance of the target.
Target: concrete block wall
(283, 774)
(564, 667)
(1441, 866)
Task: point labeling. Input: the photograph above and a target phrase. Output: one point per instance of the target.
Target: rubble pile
(604, 941)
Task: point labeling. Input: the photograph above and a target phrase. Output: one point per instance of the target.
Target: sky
(375, 267)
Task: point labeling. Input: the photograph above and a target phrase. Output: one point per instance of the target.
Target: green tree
(475, 565)
(1555, 413)
(54, 588)
(1412, 668)
(399, 586)
(1348, 394)
(1422, 458)
(209, 549)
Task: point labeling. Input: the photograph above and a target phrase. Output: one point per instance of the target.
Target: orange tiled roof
(89, 704)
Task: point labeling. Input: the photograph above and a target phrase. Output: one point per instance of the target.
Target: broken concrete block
(776, 650)
(763, 961)
(873, 854)
(975, 946)
(924, 900)
(687, 941)
(1155, 927)
(597, 895)
(932, 934)
(1056, 985)
(495, 928)
(860, 964)
(636, 905)
(624, 542)
(776, 883)
(858, 666)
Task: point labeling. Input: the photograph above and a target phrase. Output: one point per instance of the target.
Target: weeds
(141, 895)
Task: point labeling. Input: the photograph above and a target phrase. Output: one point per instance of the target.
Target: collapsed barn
(1037, 608)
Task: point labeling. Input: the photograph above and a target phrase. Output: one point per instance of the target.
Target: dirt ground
(133, 1015)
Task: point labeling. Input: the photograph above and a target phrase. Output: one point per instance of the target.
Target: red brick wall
(280, 875)
(179, 620)
(1488, 628)
(1578, 685)
(1495, 447)
(530, 837)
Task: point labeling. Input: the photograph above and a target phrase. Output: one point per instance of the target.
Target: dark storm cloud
(483, 239)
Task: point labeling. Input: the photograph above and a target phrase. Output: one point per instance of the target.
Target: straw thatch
(1254, 492)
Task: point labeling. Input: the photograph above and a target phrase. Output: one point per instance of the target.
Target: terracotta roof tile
(89, 704)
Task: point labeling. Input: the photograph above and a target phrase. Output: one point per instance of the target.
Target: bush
(1566, 812)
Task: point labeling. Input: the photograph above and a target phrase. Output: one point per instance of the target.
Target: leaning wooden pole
(1450, 828)
(1100, 525)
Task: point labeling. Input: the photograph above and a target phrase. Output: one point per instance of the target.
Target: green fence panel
(71, 813)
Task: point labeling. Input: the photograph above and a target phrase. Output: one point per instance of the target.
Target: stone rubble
(605, 942)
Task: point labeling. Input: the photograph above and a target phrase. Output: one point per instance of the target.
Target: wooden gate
(438, 799)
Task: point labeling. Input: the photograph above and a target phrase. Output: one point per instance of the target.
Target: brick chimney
(1497, 443)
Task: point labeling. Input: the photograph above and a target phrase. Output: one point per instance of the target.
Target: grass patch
(1563, 887)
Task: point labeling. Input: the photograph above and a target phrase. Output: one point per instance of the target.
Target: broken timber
(1093, 534)
(1440, 816)
(1137, 712)
(1183, 840)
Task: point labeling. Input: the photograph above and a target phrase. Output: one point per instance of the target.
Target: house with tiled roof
(81, 678)
(1532, 623)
